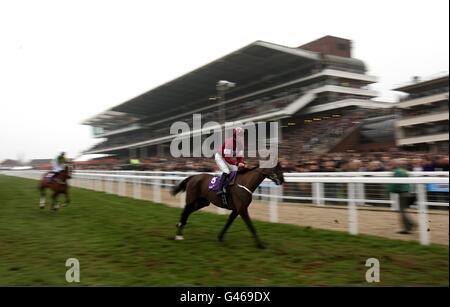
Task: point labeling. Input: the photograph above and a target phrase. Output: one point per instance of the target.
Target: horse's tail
(181, 186)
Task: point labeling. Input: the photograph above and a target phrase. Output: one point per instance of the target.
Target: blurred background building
(423, 115)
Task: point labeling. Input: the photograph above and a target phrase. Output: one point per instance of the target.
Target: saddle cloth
(49, 176)
(214, 184)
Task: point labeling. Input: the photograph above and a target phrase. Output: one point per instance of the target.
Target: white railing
(357, 189)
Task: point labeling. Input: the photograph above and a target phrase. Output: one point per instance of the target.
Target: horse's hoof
(261, 246)
(179, 238)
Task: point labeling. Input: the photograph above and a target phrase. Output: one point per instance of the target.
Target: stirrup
(221, 192)
(224, 200)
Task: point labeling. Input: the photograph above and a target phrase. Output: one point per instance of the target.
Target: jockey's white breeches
(57, 167)
(223, 165)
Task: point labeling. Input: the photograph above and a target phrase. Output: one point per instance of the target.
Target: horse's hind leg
(231, 218)
(42, 199)
(188, 209)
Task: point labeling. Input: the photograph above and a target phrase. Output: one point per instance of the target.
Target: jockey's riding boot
(222, 184)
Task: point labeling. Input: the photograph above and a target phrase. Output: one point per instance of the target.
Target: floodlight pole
(222, 86)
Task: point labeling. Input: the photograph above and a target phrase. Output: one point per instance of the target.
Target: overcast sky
(64, 61)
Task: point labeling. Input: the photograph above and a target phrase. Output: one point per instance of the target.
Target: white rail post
(423, 214)
(139, 189)
(157, 191)
(107, 185)
(182, 199)
(352, 210)
(361, 192)
(395, 205)
(136, 188)
(121, 188)
(317, 193)
(273, 204)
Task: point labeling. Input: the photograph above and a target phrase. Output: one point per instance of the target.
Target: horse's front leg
(55, 205)
(231, 218)
(248, 222)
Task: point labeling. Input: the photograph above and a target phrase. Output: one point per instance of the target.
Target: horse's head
(275, 174)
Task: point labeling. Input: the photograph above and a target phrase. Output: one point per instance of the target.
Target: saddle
(214, 186)
(50, 178)
(49, 175)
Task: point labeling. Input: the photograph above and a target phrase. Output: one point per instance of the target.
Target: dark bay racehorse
(239, 196)
(58, 185)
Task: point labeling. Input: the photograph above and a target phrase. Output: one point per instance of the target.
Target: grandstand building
(423, 115)
(317, 92)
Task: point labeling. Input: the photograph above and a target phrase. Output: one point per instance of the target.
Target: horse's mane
(246, 170)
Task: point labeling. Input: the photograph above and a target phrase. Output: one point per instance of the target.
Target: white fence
(353, 190)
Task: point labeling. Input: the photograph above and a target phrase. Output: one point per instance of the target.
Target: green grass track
(125, 242)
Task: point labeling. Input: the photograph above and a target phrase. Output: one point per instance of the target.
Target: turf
(125, 242)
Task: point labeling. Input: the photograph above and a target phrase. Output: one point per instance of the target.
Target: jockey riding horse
(58, 165)
(56, 180)
(232, 147)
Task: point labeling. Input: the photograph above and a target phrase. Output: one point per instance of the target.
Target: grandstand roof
(251, 64)
(417, 83)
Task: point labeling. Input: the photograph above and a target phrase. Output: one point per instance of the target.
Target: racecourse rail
(352, 189)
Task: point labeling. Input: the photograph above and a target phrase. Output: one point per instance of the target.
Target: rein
(255, 170)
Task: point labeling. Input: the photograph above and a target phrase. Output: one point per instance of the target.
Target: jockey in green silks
(58, 164)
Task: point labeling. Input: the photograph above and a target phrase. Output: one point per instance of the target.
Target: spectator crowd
(329, 162)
